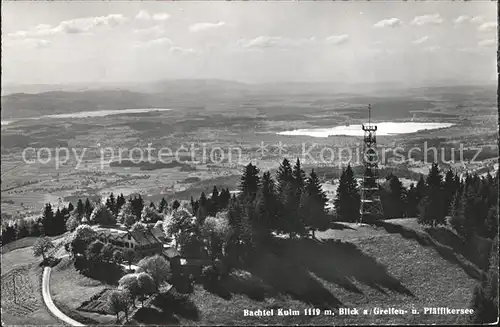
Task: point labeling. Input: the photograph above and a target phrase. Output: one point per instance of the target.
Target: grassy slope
(367, 267)
(25, 242)
(416, 277)
(69, 289)
(474, 252)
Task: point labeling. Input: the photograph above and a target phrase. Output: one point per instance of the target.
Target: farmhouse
(182, 265)
(144, 243)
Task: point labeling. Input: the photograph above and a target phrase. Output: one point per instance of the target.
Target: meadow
(349, 266)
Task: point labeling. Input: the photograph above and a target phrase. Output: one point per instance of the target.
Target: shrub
(102, 215)
(73, 222)
(117, 256)
(150, 215)
(211, 275)
(79, 240)
(157, 267)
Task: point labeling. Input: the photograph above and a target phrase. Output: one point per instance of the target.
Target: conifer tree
(299, 176)
(266, 213)
(432, 209)
(458, 208)
(22, 228)
(234, 213)
(467, 180)
(291, 219)
(111, 203)
(411, 202)
(420, 189)
(88, 208)
(120, 201)
(162, 207)
(48, 220)
(194, 206)
(202, 210)
(138, 205)
(434, 178)
(249, 183)
(448, 190)
(237, 225)
(203, 201)
(455, 203)
(457, 183)
(347, 201)
(224, 198)
(284, 175)
(465, 221)
(214, 202)
(80, 208)
(290, 185)
(394, 205)
(313, 204)
(59, 223)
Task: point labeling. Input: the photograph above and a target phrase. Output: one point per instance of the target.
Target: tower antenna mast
(369, 114)
(370, 206)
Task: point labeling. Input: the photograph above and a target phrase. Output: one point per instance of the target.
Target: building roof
(141, 237)
(171, 253)
(109, 232)
(145, 237)
(158, 233)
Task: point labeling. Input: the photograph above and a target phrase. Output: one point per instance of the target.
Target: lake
(383, 128)
(87, 114)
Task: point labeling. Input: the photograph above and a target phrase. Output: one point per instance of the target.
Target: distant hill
(22, 105)
(75, 98)
(38, 100)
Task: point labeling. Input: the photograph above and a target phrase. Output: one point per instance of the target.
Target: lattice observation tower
(370, 207)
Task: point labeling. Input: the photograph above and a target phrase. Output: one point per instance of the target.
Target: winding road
(50, 304)
(59, 252)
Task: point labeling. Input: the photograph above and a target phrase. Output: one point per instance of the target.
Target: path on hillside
(58, 252)
(50, 304)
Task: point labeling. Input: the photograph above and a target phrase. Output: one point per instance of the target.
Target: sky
(414, 42)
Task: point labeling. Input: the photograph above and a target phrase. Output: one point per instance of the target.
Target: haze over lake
(94, 113)
(384, 128)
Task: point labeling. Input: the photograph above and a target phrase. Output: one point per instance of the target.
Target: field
(20, 267)
(97, 303)
(18, 296)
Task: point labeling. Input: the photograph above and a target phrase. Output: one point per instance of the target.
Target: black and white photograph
(208, 163)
